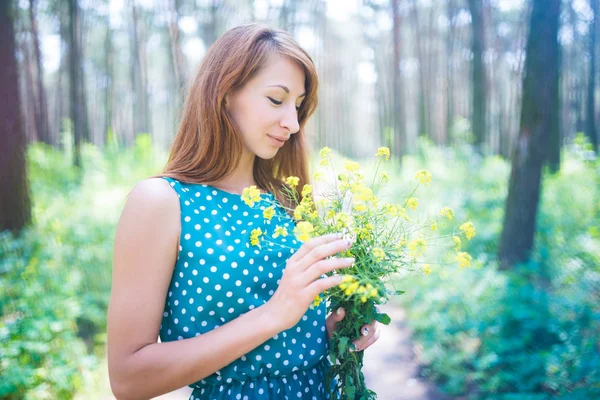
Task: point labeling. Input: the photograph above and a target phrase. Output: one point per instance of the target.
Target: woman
(233, 318)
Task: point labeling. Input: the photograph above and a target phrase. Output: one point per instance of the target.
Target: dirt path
(391, 368)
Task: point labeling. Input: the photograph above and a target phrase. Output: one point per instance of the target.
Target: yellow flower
(390, 209)
(255, 237)
(427, 269)
(352, 166)
(324, 162)
(351, 289)
(464, 259)
(280, 231)
(318, 176)
(306, 190)
(401, 212)
(374, 293)
(417, 246)
(250, 195)
(457, 242)
(412, 203)
(269, 212)
(402, 242)
(385, 177)
(379, 254)
(298, 212)
(468, 229)
(360, 207)
(323, 203)
(384, 152)
(363, 299)
(434, 226)
(447, 212)
(348, 278)
(304, 230)
(324, 152)
(292, 181)
(424, 176)
(317, 301)
(362, 193)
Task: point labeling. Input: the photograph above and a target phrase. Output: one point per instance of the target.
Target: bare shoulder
(151, 206)
(154, 192)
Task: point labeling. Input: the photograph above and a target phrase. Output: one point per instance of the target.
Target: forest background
(497, 98)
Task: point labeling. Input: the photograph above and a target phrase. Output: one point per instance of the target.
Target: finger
(314, 242)
(366, 332)
(333, 319)
(371, 340)
(325, 250)
(322, 284)
(322, 267)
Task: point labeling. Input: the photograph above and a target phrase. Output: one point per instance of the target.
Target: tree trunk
(78, 111)
(177, 59)
(139, 75)
(478, 73)
(540, 102)
(590, 123)
(15, 206)
(422, 127)
(400, 145)
(451, 11)
(28, 100)
(43, 128)
(108, 131)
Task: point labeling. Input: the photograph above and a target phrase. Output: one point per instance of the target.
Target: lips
(281, 139)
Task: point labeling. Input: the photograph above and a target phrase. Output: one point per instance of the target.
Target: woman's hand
(370, 333)
(301, 281)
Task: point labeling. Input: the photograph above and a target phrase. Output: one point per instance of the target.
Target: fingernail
(339, 311)
(365, 331)
(348, 243)
(350, 260)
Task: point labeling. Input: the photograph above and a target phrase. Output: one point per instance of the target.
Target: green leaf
(383, 318)
(343, 344)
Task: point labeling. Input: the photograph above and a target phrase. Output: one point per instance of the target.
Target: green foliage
(55, 277)
(531, 332)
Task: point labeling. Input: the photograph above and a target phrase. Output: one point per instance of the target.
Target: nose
(289, 120)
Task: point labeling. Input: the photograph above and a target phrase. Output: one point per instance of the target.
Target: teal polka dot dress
(218, 276)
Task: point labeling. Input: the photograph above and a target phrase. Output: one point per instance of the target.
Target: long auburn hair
(208, 145)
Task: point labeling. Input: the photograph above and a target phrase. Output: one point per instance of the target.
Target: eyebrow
(286, 89)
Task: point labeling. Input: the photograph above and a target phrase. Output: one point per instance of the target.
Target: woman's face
(265, 108)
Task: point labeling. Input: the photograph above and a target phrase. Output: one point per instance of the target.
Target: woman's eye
(274, 101)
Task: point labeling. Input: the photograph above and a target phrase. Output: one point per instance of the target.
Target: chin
(265, 155)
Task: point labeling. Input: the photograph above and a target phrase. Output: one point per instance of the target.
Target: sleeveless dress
(219, 275)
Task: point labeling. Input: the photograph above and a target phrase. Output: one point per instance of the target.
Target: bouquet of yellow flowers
(385, 241)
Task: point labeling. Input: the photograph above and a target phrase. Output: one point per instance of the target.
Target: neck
(241, 177)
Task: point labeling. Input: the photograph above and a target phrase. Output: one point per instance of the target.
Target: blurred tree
(76, 82)
(177, 59)
(478, 86)
(423, 125)
(41, 109)
(15, 207)
(139, 73)
(540, 102)
(400, 143)
(109, 90)
(590, 115)
(451, 11)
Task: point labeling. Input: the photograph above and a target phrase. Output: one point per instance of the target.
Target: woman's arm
(146, 247)
(145, 252)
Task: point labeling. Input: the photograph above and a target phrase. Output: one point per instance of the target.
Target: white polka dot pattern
(218, 276)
